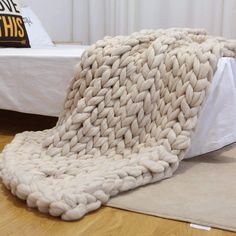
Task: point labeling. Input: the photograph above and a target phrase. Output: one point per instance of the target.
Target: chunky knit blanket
(127, 121)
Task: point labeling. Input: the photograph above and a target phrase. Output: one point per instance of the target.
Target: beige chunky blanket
(127, 121)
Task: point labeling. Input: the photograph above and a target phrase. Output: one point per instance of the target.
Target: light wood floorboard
(18, 220)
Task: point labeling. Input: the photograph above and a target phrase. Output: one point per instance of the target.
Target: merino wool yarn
(127, 121)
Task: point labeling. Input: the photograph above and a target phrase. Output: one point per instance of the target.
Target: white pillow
(38, 37)
(23, 3)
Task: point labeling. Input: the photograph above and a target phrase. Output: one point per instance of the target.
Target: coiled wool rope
(126, 122)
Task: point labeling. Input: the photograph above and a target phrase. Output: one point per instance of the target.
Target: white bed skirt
(35, 81)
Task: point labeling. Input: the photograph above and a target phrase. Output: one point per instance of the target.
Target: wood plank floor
(16, 219)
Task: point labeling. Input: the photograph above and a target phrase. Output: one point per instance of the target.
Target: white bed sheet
(35, 81)
(216, 126)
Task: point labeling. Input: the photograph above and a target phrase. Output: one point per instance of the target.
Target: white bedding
(35, 81)
(216, 126)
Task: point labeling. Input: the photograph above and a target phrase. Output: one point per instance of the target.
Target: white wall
(56, 17)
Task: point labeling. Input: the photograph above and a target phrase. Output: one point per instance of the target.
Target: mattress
(35, 81)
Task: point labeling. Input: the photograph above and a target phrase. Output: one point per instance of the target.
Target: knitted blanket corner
(127, 121)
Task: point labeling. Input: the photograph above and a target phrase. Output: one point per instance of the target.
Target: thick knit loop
(127, 121)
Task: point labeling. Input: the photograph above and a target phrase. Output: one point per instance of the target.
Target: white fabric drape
(93, 19)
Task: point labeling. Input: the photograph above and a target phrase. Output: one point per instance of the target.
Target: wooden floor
(16, 219)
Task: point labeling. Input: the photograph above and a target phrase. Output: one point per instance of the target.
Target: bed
(35, 81)
(216, 126)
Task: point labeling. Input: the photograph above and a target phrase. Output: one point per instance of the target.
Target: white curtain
(56, 16)
(94, 19)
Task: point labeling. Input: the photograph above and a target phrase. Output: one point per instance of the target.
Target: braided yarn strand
(127, 121)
